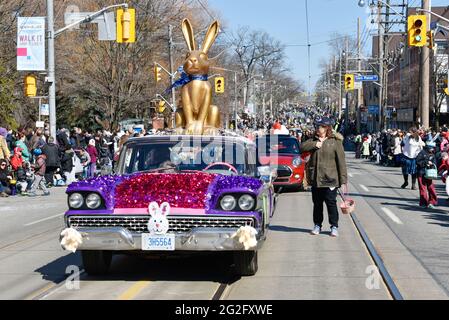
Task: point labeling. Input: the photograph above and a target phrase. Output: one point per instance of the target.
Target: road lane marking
(364, 188)
(350, 175)
(134, 290)
(391, 215)
(42, 220)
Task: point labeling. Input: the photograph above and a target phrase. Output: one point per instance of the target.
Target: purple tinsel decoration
(230, 184)
(104, 185)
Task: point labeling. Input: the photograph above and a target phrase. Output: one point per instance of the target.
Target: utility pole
(340, 100)
(347, 92)
(359, 67)
(425, 75)
(235, 102)
(172, 71)
(385, 68)
(51, 67)
(381, 65)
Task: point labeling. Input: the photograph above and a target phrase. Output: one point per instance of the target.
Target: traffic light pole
(51, 35)
(425, 75)
(172, 72)
(51, 67)
(381, 67)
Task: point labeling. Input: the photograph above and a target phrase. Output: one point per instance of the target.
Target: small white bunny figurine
(158, 223)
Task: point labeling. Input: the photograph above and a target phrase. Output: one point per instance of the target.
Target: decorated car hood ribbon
(185, 79)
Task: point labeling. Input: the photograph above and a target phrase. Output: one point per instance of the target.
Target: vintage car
(212, 185)
(282, 152)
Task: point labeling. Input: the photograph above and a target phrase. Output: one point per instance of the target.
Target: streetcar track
(47, 290)
(388, 280)
(372, 174)
(219, 292)
(29, 238)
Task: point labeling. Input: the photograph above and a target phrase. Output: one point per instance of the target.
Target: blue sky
(286, 21)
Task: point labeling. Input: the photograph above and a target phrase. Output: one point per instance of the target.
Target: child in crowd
(39, 173)
(25, 178)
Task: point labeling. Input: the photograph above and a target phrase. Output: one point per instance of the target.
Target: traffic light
(417, 31)
(219, 85)
(126, 25)
(431, 38)
(30, 86)
(157, 73)
(349, 82)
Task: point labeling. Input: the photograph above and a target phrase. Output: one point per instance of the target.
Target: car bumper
(198, 239)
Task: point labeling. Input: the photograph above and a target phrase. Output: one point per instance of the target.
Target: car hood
(196, 190)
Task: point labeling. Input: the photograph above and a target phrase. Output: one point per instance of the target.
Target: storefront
(405, 118)
(373, 118)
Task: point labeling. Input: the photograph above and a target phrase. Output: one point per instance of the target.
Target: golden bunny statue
(197, 116)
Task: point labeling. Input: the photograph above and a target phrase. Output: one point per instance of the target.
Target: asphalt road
(292, 264)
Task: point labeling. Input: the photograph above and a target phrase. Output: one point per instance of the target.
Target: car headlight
(246, 202)
(228, 203)
(76, 201)
(93, 201)
(297, 162)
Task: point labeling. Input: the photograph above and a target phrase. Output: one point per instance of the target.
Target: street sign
(45, 110)
(106, 23)
(358, 85)
(367, 78)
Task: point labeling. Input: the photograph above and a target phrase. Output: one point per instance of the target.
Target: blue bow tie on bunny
(185, 79)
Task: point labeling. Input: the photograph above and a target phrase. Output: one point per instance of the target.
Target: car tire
(245, 263)
(96, 262)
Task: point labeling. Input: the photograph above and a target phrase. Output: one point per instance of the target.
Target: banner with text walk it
(31, 44)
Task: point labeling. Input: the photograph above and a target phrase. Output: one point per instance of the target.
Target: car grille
(178, 224)
(284, 171)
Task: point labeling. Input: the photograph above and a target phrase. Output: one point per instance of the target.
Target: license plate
(158, 242)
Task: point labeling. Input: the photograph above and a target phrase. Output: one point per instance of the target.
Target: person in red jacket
(93, 153)
(16, 159)
(444, 169)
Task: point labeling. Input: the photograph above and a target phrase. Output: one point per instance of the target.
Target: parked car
(283, 153)
(212, 185)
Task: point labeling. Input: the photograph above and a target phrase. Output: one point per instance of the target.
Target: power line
(308, 44)
(213, 18)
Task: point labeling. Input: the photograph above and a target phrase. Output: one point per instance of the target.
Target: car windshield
(277, 145)
(182, 156)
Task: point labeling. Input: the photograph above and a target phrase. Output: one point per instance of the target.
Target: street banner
(31, 44)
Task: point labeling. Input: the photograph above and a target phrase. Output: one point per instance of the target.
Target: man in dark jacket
(326, 171)
(51, 151)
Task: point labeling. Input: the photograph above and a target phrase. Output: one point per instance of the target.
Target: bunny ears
(154, 209)
(211, 35)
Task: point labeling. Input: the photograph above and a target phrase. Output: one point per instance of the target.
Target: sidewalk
(295, 265)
